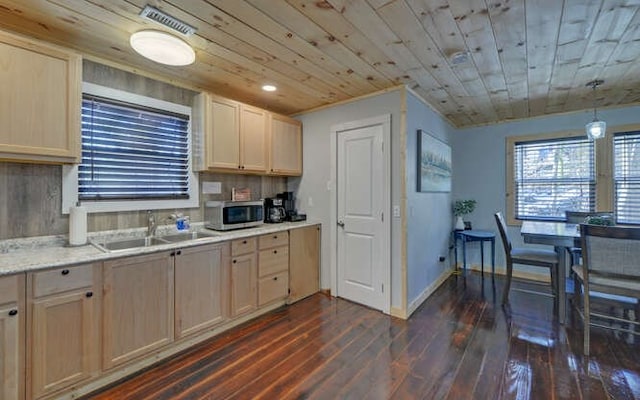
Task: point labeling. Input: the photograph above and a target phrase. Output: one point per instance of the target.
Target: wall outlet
(441, 258)
(211, 187)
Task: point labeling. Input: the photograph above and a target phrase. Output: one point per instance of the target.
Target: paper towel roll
(77, 226)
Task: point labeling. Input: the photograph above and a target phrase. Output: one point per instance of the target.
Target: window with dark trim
(132, 152)
(552, 176)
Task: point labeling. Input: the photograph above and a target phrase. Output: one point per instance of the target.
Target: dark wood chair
(525, 256)
(580, 217)
(610, 257)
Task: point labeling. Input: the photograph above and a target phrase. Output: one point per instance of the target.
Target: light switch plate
(396, 211)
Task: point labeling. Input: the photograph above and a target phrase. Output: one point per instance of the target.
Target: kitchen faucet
(151, 224)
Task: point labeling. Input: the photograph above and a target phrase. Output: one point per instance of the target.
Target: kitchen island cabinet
(12, 338)
(138, 307)
(41, 101)
(201, 288)
(63, 327)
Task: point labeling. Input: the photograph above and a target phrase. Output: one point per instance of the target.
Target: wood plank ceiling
(526, 58)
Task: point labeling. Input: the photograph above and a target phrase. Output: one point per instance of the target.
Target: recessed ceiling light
(162, 48)
(269, 88)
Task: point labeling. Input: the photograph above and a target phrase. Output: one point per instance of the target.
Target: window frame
(70, 172)
(603, 154)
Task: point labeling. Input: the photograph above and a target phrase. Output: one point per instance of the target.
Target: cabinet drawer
(273, 260)
(9, 289)
(243, 246)
(273, 240)
(62, 280)
(273, 287)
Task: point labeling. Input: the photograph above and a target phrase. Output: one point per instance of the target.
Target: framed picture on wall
(434, 164)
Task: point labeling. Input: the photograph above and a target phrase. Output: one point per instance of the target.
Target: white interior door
(362, 265)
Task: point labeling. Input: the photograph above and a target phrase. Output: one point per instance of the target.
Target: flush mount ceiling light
(162, 48)
(269, 88)
(596, 128)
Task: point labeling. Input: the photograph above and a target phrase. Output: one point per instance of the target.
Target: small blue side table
(476, 236)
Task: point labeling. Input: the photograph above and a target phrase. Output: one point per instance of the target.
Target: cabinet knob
(65, 272)
(179, 252)
(234, 261)
(275, 278)
(275, 236)
(172, 254)
(13, 312)
(275, 252)
(89, 294)
(244, 242)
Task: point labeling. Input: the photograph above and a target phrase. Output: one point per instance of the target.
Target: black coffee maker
(274, 212)
(289, 204)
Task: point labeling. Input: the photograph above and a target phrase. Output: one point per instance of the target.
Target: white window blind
(627, 177)
(552, 176)
(132, 152)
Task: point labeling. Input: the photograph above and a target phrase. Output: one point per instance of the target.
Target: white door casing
(361, 264)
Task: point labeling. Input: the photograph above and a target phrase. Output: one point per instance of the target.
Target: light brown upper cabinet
(229, 136)
(40, 103)
(233, 137)
(285, 148)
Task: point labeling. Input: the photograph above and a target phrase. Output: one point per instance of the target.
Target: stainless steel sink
(181, 237)
(126, 244)
(132, 243)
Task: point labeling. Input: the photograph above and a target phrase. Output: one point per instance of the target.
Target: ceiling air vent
(153, 14)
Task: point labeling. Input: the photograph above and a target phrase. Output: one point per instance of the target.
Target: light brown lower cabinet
(304, 262)
(273, 267)
(63, 328)
(12, 338)
(201, 288)
(244, 294)
(137, 312)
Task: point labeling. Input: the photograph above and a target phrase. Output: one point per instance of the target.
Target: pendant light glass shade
(596, 128)
(162, 48)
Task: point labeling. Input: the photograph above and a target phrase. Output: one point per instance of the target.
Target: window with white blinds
(626, 160)
(552, 176)
(132, 152)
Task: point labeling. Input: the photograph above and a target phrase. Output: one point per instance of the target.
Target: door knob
(341, 224)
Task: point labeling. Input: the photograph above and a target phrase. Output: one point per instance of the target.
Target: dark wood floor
(460, 344)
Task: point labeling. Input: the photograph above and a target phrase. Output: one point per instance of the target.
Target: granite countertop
(45, 252)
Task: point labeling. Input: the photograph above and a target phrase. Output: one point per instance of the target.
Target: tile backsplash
(31, 203)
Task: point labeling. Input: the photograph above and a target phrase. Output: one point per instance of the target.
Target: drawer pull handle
(179, 252)
(275, 236)
(89, 294)
(13, 313)
(65, 272)
(234, 261)
(275, 252)
(244, 242)
(275, 278)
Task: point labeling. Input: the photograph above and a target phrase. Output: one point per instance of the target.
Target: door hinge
(383, 288)
(382, 216)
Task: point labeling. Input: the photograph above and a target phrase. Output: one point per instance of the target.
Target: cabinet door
(40, 102)
(253, 134)
(285, 150)
(244, 296)
(201, 288)
(137, 307)
(12, 340)
(223, 131)
(63, 327)
(304, 262)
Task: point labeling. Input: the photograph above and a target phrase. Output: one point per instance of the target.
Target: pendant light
(596, 128)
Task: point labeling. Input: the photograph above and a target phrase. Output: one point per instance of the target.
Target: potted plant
(460, 208)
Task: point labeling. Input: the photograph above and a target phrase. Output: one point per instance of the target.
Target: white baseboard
(428, 291)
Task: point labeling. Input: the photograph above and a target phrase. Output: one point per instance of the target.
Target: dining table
(560, 235)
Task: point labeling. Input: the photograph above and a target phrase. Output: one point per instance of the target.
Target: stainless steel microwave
(227, 215)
